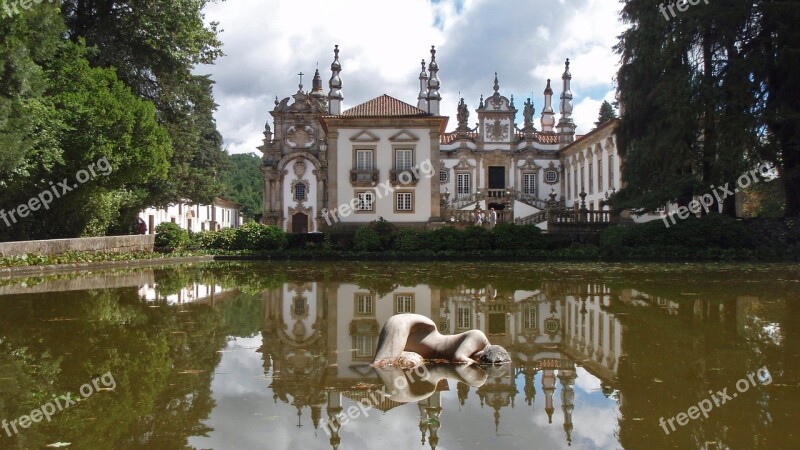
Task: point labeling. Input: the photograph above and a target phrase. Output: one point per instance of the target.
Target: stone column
(436, 214)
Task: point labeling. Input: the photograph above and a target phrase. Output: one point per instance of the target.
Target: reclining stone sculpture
(407, 340)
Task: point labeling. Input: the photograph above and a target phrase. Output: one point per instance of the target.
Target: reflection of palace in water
(319, 338)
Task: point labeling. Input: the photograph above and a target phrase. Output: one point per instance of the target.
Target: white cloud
(382, 42)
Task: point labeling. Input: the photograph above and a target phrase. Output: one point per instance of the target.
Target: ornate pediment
(463, 164)
(528, 164)
(498, 102)
(404, 136)
(365, 136)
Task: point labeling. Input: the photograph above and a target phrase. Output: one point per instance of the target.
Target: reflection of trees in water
(185, 401)
(55, 344)
(714, 337)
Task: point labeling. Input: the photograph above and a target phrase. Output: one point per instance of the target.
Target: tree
(154, 47)
(243, 183)
(606, 113)
(60, 116)
(707, 98)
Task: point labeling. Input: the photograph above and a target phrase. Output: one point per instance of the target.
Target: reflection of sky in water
(247, 417)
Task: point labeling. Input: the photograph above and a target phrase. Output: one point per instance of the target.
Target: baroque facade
(390, 160)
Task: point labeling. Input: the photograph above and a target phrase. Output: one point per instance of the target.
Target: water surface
(275, 356)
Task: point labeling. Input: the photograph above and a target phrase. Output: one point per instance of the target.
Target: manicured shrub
(224, 239)
(254, 236)
(170, 237)
(477, 238)
(386, 232)
(366, 240)
(408, 240)
(530, 237)
(686, 239)
(447, 238)
(509, 236)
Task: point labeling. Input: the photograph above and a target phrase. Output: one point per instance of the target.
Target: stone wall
(108, 244)
(84, 282)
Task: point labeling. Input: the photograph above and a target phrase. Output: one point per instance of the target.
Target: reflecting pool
(258, 355)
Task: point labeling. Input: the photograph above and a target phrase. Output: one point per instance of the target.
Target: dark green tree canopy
(708, 95)
(606, 113)
(91, 79)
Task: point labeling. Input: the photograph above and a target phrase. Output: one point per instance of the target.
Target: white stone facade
(194, 217)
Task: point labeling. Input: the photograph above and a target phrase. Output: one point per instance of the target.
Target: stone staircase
(533, 219)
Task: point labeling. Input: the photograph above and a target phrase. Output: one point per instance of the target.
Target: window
(601, 187)
(611, 334)
(529, 318)
(577, 191)
(529, 183)
(403, 303)
(569, 184)
(403, 159)
(463, 187)
(583, 182)
(551, 176)
(364, 305)
(444, 176)
(299, 192)
(611, 170)
(364, 160)
(464, 319)
(366, 200)
(365, 345)
(601, 328)
(405, 202)
(591, 178)
(299, 306)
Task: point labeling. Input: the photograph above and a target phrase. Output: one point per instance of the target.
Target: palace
(326, 167)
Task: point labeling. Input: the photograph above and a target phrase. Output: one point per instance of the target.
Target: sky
(267, 43)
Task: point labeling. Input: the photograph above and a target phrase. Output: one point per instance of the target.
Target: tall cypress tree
(711, 89)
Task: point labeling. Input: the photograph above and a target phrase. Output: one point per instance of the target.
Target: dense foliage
(250, 236)
(708, 94)
(101, 116)
(242, 183)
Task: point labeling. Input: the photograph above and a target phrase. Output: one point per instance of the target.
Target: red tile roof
(384, 106)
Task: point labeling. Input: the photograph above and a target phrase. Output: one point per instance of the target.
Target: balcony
(363, 178)
(404, 177)
(496, 193)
